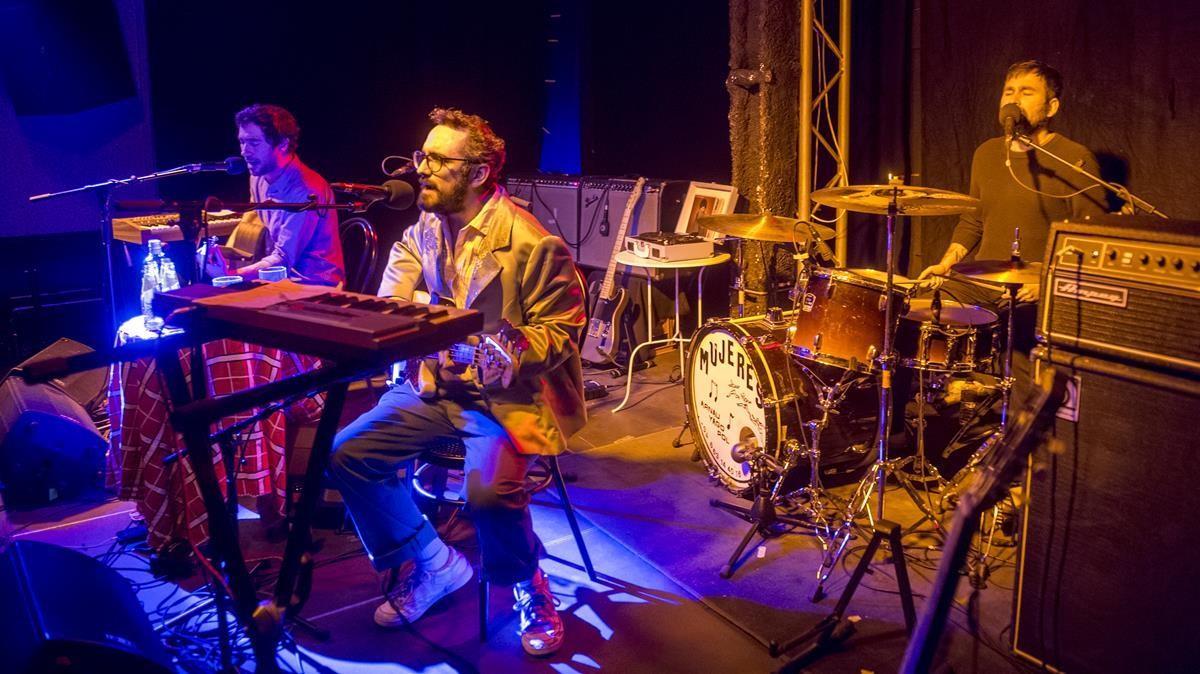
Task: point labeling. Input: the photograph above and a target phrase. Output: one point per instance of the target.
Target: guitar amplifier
(602, 201)
(554, 201)
(1127, 288)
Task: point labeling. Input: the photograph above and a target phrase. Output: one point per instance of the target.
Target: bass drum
(743, 386)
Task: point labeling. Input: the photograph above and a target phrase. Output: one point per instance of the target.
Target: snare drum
(964, 340)
(743, 387)
(840, 318)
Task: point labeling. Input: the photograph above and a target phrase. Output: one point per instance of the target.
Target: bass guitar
(606, 325)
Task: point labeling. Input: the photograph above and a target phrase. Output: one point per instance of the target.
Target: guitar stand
(835, 627)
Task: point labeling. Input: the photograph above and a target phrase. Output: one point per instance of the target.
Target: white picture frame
(705, 199)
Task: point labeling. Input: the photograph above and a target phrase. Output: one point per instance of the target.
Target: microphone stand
(105, 190)
(1132, 199)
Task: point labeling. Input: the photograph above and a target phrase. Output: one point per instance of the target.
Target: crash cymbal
(953, 312)
(1001, 272)
(910, 199)
(762, 227)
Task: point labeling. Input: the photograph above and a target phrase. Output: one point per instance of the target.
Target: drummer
(1018, 188)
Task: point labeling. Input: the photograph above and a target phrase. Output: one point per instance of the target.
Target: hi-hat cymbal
(1001, 272)
(762, 227)
(910, 199)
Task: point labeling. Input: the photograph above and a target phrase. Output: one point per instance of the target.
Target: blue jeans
(369, 451)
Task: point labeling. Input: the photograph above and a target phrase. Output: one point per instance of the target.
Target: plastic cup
(272, 273)
(222, 281)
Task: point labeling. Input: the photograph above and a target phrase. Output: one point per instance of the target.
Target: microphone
(395, 194)
(1011, 116)
(234, 165)
(822, 248)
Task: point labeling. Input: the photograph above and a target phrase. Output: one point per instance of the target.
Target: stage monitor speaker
(83, 387)
(1106, 580)
(554, 201)
(67, 613)
(49, 446)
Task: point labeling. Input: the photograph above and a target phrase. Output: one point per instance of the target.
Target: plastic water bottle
(158, 275)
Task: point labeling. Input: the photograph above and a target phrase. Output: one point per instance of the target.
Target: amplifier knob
(1112, 254)
(1144, 259)
(1178, 264)
(1161, 260)
(1196, 266)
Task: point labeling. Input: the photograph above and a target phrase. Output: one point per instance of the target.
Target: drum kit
(779, 403)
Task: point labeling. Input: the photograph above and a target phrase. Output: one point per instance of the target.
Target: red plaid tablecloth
(167, 494)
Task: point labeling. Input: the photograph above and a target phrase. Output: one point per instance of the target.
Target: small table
(628, 259)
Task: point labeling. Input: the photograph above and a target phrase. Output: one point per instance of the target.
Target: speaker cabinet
(1106, 580)
(67, 613)
(49, 446)
(602, 204)
(554, 201)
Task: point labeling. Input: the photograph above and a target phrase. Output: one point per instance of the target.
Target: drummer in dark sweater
(1017, 187)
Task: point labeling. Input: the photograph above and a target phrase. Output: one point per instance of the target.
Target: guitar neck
(606, 288)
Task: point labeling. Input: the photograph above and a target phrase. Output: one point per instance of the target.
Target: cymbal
(1001, 272)
(910, 199)
(953, 312)
(762, 227)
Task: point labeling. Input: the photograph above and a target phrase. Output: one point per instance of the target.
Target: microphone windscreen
(1011, 111)
(400, 195)
(235, 165)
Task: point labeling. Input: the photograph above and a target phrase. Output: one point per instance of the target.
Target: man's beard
(445, 203)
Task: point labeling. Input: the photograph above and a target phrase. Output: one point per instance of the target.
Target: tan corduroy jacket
(525, 275)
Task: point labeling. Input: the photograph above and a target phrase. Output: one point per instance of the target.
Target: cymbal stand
(877, 474)
(739, 282)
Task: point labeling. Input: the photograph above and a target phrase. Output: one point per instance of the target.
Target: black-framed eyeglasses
(436, 161)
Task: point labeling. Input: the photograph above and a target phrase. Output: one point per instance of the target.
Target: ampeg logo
(1069, 410)
(1096, 293)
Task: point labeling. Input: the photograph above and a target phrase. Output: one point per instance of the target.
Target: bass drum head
(725, 384)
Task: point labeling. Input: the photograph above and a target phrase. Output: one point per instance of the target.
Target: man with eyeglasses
(473, 247)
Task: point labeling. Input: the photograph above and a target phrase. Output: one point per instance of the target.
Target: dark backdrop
(1132, 92)
(360, 78)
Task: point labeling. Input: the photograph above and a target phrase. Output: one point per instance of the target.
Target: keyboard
(165, 227)
(318, 321)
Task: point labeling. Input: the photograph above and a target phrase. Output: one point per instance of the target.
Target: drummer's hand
(934, 276)
(1028, 293)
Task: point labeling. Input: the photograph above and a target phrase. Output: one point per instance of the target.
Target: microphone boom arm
(1115, 188)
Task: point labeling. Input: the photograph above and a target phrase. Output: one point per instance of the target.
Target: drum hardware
(893, 200)
(769, 475)
(829, 398)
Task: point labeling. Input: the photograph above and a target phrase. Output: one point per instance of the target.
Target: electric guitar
(494, 359)
(604, 333)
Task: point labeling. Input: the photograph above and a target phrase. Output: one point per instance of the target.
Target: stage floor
(657, 545)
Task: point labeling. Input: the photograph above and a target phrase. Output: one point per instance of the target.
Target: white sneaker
(415, 590)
